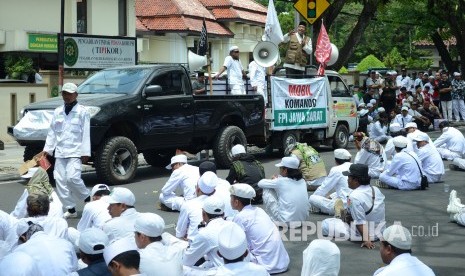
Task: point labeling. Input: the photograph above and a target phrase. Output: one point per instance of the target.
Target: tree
(394, 58)
(369, 62)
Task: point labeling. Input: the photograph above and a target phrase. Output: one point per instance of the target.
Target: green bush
(343, 70)
(369, 62)
(16, 66)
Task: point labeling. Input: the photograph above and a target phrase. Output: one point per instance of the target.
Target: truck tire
(158, 159)
(341, 137)
(116, 160)
(288, 138)
(226, 139)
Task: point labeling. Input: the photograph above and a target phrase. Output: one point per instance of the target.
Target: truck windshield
(124, 81)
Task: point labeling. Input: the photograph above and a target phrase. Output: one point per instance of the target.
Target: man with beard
(235, 72)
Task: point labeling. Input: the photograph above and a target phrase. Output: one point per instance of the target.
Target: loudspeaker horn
(334, 55)
(266, 53)
(195, 61)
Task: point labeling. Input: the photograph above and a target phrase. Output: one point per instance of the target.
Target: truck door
(168, 119)
(343, 107)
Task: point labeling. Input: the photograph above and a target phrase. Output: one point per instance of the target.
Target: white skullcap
(381, 109)
(400, 141)
(99, 187)
(213, 205)
(30, 172)
(149, 224)
(404, 108)
(233, 48)
(242, 190)
(290, 162)
(121, 195)
(207, 182)
(398, 236)
(93, 241)
(118, 247)
(373, 101)
(395, 127)
(237, 149)
(457, 74)
(411, 124)
(180, 158)
(361, 105)
(342, 154)
(69, 87)
(421, 136)
(362, 112)
(369, 105)
(232, 242)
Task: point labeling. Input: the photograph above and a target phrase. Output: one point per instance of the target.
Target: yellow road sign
(311, 9)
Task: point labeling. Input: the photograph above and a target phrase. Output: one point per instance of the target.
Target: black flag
(203, 42)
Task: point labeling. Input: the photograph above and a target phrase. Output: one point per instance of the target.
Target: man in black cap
(298, 48)
(366, 207)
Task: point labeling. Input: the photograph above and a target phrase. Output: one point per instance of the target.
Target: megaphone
(334, 55)
(195, 61)
(266, 53)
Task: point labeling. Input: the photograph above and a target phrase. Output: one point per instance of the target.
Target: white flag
(273, 30)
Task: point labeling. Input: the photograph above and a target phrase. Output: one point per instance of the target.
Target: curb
(9, 177)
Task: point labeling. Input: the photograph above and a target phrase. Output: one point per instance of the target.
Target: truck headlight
(21, 114)
(93, 110)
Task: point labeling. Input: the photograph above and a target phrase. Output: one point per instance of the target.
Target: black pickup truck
(150, 109)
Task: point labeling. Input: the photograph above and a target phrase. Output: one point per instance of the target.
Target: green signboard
(43, 42)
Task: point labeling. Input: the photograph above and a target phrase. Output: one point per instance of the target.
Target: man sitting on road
(456, 209)
(431, 161)
(451, 143)
(92, 242)
(370, 153)
(184, 176)
(322, 200)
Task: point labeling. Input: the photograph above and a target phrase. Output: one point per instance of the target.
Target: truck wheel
(158, 159)
(226, 139)
(288, 138)
(341, 137)
(116, 160)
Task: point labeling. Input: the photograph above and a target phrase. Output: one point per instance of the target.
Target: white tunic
(431, 163)
(292, 198)
(335, 181)
(404, 168)
(360, 201)
(405, 264)
(19, 264)
(185, 178)
(263, 239)
(321, 257)
(122, 226)
(160, 259)
(57, 227)
(95, 214)
(378, 132)
(20, 211)
(241, 268)
(222, 191)
(8, 230)
(452, 139)
(190, 217)
(401, 120)
(375, 162)
(234, 70)
(54, 256)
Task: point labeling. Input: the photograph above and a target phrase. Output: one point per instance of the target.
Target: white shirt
(222, 191)
(205, 244)
(404, 166)
(53, 256)
(263, 239)
(95, 214)
(307, 49)
(122, 226)
(241, 268)
(8, 229)
(53, 226)
(336, 181)
(452, 139)
(401, 120)
(373, 161)
(412, 145)
(360, 201)
(257, 74)
(292, 197)
(377, 130)
(185, 177)
(69, 135)
(431, 161)
(405, 264)
(234, 70)
(404, 82)
(55, 210)
(190, 217)
(19, 264)
(160, 259)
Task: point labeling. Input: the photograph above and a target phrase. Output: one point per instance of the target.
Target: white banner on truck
(299, 103)
(92, 52)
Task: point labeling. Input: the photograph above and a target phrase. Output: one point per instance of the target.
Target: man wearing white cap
(69, 139)
(160, 253)
(122, 257)
(458, 90)
(245, 168)
(121, 208)
(92, 242)
(95, 213)
(430, 159)
(202, 251)
(285, 196)
(185, 177)
(232, 247)
(53, 255)
(322, 200)
(264, 241)
(451, 143)
(403, 118)
(38, 181)
(191, 212)
(312, 166)
(396, 250)
(405, 171)
(235, 71)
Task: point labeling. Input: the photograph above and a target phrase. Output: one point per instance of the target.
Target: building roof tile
(183, 24)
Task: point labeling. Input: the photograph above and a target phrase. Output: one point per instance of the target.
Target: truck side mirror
(153, 90)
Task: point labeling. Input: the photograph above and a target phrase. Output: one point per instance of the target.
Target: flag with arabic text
(323, 49)
(202, 48)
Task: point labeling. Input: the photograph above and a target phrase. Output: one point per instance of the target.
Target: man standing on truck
(235, 72)
(299, 47)
(69, 137)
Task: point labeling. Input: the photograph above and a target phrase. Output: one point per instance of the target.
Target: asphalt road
(437, 242)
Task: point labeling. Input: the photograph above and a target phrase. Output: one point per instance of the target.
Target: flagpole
(209, 69)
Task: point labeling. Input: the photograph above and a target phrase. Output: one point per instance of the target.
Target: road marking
(9, 182)
(172, 225)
